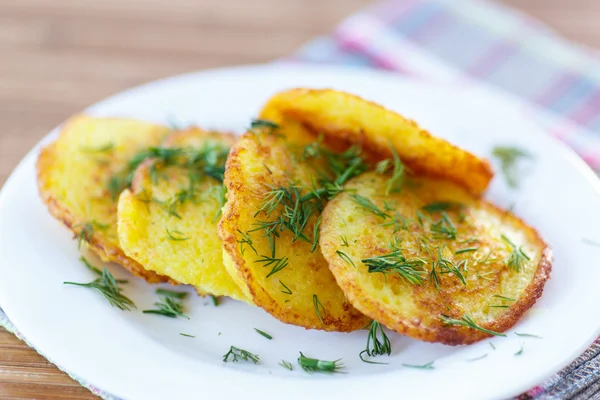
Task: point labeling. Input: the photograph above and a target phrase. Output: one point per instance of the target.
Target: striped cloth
(476, 42)
(480, 43)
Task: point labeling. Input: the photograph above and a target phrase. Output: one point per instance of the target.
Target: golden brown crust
(421, 320)
(245, 190)
(47, 166)
(351, 120)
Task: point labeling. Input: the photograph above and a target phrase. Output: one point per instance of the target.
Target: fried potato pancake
(270, 230)
(168, 220)
(432, 261)
(348, 119)
(75, 174)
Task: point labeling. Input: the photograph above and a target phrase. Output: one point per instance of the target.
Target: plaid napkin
(480, 43)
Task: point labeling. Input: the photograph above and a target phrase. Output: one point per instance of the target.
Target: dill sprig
(107, 285)
(276, 264)
(509, 158)
(345, 257)
(439, 206)
(368, 205)
(175, 236)
(171, 293)
(468, 322)
(286, 290)
(398, 171)
(319, 308)
(518, 353)
(466, 250)
(315, 365)
(96, 270)
(412, 271)
(530, 335)
(246, 240)
(240, 354)
(187, 335)
(208, 160)
(344, 241)
(447, 266)
(262, 333)
(286, 365)
(167, 306)
(444, 228)
(375, 345)
(259, 124)
(87, 231)
(215, 300)
(517, 258)
(398, 222)
(429, 365)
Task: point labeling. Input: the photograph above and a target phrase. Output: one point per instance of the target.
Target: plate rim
(568, 153)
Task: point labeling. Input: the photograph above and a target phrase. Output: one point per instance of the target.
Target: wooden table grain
(56, 57)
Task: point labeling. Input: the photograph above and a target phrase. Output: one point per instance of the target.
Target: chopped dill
(286, 365)
(467, 250)
(215, 300)
(286, 289)
(375, 345)
(517, 258)
(368, 205)
(345, 257)
(344, 241)
(503, 297)
(262, 333)
(509, 158)
(87, 231)
(530, 335)
(492, 345)
(518, 353)
(439, 206)
(319, 308)
(240, 354)
(277, 264)
(315, 365)
(171, 307)
(171, 293)
(444, 228)
(447, 266)
(245, 240)
(429, 365)
(411, 271)
(468, 322)
(107, 285)
(175, 236)
(187, 335)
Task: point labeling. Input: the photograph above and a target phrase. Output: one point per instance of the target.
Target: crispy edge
(226, 229)
(458, 165)
(450, 335)
(107, 253)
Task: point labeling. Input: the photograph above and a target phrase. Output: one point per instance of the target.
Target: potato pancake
(270, 224)
(168, 220)
(81, 174)
(430, 260)
(348, 119)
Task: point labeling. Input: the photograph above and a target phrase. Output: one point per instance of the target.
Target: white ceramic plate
(140, 356)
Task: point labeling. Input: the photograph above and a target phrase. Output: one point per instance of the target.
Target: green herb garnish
(439, 206)
(286, 365)
(509, 158)
(478, 358)
(518, 353)
(412, 271)
(345, 257)
(86, 232)
(108, 287)
(530, 335)
(240, 354)
(444, 228)
(187, 335)
(176, 236)
(368, 205)
(517, 258)
(171, 307)
(467, 250)
(315, 365)
(375, 345)
(319, 308)
(429, 365)
(265, 334)
(469, 323)
(171, 293)
(286, 289)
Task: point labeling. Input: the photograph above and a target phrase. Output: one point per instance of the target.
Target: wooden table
(59, 56)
